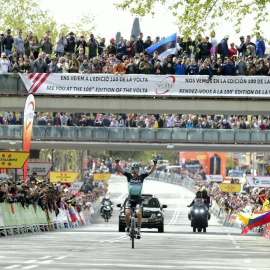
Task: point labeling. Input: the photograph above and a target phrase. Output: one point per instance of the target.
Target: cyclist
(135, 183)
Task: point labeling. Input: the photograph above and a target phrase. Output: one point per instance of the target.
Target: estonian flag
(164, 47)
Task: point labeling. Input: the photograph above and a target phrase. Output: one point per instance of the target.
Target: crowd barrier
(16, 219)
(225, 218)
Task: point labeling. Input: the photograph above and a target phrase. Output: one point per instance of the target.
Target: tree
(28, 16)
(193, 16)
(136, 29)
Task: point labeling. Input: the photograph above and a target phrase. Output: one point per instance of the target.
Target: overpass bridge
(13, 92)
(138, 139)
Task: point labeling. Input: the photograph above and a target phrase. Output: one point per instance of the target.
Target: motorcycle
(106, 211)
(199, 216)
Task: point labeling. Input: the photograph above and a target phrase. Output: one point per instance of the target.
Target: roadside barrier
(15, 219)
(225, 218)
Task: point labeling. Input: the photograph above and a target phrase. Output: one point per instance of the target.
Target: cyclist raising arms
(135, 183)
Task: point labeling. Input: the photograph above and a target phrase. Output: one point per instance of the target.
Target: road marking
(248, 261)
(44, 258)
(45, 262)
(177, 210)
(12, 266)
(61, 258)
(237, 247)
(30, 261)
(30, 267)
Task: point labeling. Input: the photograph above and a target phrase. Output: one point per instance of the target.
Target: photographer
(81, 43)
(60, 45)
(85, 67)
(119, 68)
(62, 65)
(74, 64)
(71, 42)
(4, 63)
(131, 68)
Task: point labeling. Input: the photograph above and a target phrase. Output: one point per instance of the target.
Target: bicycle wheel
(132, 231)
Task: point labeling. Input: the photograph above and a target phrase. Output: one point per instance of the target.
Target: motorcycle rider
(197, 198)
(106, 201)
(135, 184)
(206, 198)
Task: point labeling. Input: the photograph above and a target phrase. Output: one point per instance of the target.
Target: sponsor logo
(37, 80)
(165, 85)
(255, 181)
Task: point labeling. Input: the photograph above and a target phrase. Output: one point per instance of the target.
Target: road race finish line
(40, 168)
(13, 159)
(101, 176)
(230, 188)
(146, 85)
(63, 177)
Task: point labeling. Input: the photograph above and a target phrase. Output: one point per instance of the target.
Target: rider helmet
(204, 192)
(199, 194)
(135, 166)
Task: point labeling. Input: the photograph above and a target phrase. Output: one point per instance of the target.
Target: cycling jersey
(135, 184)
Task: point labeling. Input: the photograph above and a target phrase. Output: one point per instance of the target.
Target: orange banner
(211, 163)
(29, 110)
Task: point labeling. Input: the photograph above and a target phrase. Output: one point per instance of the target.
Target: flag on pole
(164, 47)
(252, 221)
(72, 213)
(28, 117)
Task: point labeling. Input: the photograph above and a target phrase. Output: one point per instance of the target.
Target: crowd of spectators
(186, 121)
(50, 196)
(71, 54)
(251, 199)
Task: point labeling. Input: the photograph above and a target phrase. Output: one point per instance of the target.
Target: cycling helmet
(204, 191)
(199, 194)
(135, 166)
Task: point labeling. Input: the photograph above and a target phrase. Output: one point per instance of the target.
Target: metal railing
(121, 134)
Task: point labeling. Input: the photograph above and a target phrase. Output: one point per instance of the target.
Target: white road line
(30, 261)
(176, 211)
(61, 258)
(248, 261)
(30, 267)
(237, 247)
(12, 266)
(44, 258)
(45, 262)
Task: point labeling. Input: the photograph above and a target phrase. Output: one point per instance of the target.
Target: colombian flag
(72, 213)
(252, 221)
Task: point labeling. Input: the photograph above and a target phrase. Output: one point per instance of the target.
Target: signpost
(214, 178)
(63, 177)
(41, 168)
(258, 181)
(13, 159)
(230, 188)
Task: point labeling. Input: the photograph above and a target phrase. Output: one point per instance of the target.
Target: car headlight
(201, 211)
(159, 215)
(196, 211)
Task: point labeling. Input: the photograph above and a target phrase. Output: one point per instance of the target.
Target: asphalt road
(101, 246)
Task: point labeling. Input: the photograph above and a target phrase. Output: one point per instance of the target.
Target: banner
(204, 163)
(29, 110)
(146, 85)
(41, 168)
(101, 176)
(13, 159)
(230, 188)
(63, 177)
(214, 178)
(258, 181)
(77, 186)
